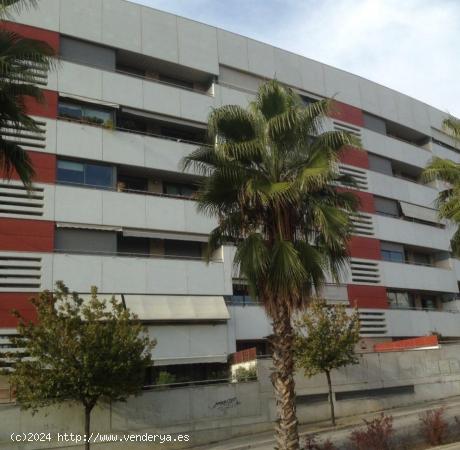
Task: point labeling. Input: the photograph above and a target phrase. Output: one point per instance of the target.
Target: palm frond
(9, 8)
(231, 123)
(442, 170)
(452, 126)
(271, 180)
(15, 159)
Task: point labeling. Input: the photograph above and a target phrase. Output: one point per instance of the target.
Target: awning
(162, 118)
(189, 343)
(165, 235)
(84, 226)
(419, 212)
(88, 100)
(177, 308)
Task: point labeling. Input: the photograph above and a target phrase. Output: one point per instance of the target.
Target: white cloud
(408, 45)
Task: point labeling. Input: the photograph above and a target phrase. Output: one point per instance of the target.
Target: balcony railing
(142, 77)
(127, 130)
(414, 263)
(413, 308)
(135, 255)
(124, 190)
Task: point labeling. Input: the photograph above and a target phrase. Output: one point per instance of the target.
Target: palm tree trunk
(286, 432)
(87, 426)
(331, 399)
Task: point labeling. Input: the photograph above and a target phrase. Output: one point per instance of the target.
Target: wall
(217, 412)
(199, 46)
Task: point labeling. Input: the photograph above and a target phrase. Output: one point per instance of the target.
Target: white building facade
(111, 206)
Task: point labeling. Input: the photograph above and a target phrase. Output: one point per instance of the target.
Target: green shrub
(243, 374)
(166, 378)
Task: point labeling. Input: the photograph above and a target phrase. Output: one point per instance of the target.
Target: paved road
(406, 423)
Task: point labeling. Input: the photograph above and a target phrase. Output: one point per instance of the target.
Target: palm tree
(10, 7)
(271, 178)
(21, 60)
(448, 172)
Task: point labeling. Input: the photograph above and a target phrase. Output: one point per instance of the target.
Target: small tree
(79, 351)
(325, 340)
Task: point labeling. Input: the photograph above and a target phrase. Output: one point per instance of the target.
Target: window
(179, 189)
(386, 207)
(392, 252)
(71, 172)
(86, 241)
(428, 301)
(388, 255)
(131, 183)
(176, 81)
(379, 164)
(400, 299)
(86, 113)
(240, 295)
(87, 53)
(182, 134)
(133, 245)
(185, 249)
(421, 258)
(374, 123)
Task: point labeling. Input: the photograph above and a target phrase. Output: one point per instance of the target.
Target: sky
(408, 45)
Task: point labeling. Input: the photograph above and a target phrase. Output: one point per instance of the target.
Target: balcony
(411, 233)
(131, 91)
(120, 146)
(108, 207)
(417, 277)
(445, 151)
(396, 149)
(399, 189)
(411, 323)
(140, 275)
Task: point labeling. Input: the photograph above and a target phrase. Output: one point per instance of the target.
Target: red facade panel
(347, 113)
(366, 200)
(19, 301)
(46, 108)
(364, 296)
(44, 165)
(364, 247)
(50, 37)
(355, 157)
(26, 235)
(407, 344)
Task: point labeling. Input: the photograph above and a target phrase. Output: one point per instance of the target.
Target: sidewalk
(455, 446)
(406, 423)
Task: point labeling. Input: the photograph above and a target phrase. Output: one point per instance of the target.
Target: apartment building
(111, 206)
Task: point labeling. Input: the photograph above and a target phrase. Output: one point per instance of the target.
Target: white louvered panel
(7, 350)
(359, 176)
(38, 74)
(23, 280)
(20, 273)
(15, 200)
(372, 323)
(364, 271)
(341, 126)
(19, 262)
(29, 201)
(26, 138)
(363, 224)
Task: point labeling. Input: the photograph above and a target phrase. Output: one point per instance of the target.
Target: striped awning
(177, 308)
